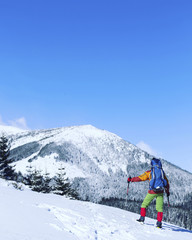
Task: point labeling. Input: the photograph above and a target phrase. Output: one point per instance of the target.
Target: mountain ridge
(97, 162)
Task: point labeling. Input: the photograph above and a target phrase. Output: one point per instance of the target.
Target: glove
(129, 179)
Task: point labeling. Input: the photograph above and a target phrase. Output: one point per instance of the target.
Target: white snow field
(27, 215)
(10, 130)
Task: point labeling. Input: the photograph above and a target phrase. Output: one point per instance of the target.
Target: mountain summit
(97, 162)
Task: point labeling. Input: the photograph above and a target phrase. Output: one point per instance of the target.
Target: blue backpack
(158, 181)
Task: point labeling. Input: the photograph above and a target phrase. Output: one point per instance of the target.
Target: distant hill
(97, 162)
(9, 130)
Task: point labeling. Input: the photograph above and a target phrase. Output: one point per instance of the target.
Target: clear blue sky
(124, 66)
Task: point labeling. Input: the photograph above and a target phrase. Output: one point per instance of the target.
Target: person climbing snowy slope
(158, 182)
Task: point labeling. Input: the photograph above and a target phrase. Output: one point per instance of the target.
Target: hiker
(158, 182)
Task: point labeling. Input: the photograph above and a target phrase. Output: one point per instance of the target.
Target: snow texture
(27, 215)
(10, 130)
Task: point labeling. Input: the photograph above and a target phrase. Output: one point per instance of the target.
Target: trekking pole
(168, 201)
(128, 187)
(168, 208)
(127, 193)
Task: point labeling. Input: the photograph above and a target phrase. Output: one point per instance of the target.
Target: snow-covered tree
(37, 181)
(46, 188)
(6, 170)
(62, 185)
(28, 178)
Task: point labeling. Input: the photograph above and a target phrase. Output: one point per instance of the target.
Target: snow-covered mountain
(96, 161)
(9, 130)
(37, 216)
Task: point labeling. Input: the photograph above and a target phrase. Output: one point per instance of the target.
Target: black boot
(141, 219)
(159, 224)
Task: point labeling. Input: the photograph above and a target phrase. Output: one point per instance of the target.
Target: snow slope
(27, 215)
(10, 130)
